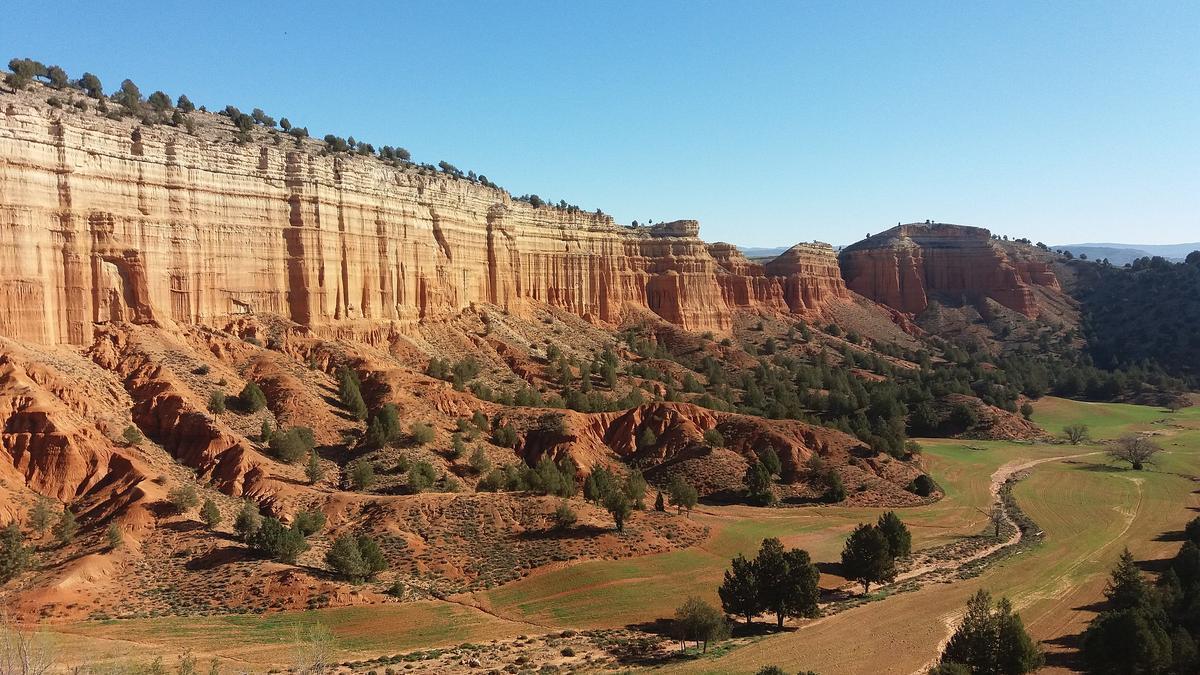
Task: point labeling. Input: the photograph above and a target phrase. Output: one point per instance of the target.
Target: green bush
(252, 399)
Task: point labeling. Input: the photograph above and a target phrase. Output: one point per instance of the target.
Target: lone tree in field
(787, 581)
(1135, 449)
(699, 622)
(1076, 433)
(991, 640)
(867, 558)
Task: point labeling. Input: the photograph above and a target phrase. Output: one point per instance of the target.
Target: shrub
(210, 514)
(114, 537)
(564, 516)
(278, 542)
(66, 527)
(132, 436)
(247, 521)
(922, 486)
(421, 476)
(183, 498)
(216, 402)
(479, 462)
(313, 469)
(289, 446)
(422, 433)
(714, 438)
(252, 399)
(308, 523)
(356, 558)
(505, 436)
(362, 475)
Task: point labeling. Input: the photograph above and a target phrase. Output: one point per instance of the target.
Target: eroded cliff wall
(908, 265)
(104, 220)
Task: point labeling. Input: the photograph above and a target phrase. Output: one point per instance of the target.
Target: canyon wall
(103, 220)
(908, 265)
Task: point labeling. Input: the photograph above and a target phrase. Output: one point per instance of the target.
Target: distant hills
(752, 252)
(1119, 254)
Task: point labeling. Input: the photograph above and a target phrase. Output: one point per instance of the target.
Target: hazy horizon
(770, 124)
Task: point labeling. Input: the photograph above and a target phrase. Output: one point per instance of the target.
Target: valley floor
(1087, 509)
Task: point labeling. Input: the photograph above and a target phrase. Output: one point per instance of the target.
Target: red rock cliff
(908, 265)
(104, 220)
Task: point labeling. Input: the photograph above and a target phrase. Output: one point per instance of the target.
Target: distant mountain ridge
(1119, 254)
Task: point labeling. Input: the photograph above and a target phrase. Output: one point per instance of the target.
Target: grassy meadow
(1088, 509)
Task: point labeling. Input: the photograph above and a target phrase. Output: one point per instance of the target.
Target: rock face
(102, 220)
(908, 265)
(811, 276)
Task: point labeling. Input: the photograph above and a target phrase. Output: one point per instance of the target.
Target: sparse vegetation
(356, 558)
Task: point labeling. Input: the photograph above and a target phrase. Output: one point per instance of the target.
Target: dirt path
(999, 478)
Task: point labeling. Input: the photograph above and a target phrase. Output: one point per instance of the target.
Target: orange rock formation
(907, 265)
(104, 221)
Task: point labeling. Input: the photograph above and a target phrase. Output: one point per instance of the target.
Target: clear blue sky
(771, 123)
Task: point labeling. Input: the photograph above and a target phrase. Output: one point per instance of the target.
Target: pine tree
(247, 522)
(866, 557)
(758, 485)
(897, 534)
(1016, 652)
(40, 516)
(1125, 588)
(635, 489)
(739, 592)
(786, 581)
(618, 506)
(66, 527)
(683, 495)
(14, 555)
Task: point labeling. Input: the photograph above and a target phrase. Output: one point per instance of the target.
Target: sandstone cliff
(908, 265)
(104, 220)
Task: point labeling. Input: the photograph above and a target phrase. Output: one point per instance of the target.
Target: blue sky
(769, 122)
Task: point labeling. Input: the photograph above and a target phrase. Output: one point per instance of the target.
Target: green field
(1088, 510)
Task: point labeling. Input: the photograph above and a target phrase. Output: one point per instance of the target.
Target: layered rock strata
(908, 265)
(102, 221)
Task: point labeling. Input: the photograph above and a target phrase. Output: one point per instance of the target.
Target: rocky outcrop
(909, 265)
(811, 277)
(103, 220)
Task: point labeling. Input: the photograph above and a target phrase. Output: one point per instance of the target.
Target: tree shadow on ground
(1174, 535)
(222, 555)
(183, 526)
(1157, 566)
(1101, 468)
(579, 532)
(1069, 657)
